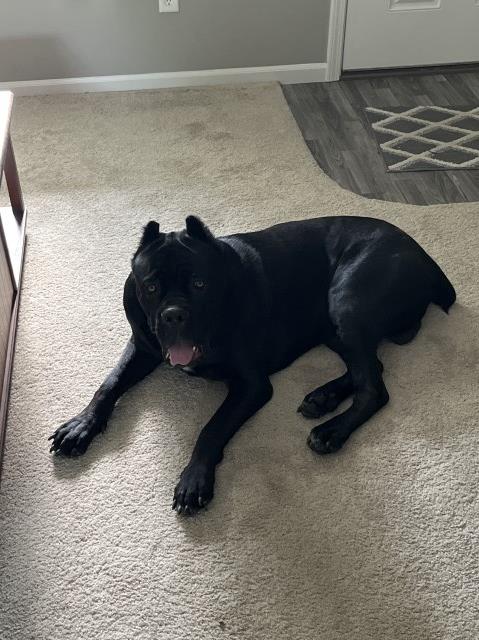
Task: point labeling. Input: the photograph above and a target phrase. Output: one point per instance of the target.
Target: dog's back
(310, 267)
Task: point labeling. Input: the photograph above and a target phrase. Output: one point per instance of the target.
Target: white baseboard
(287, 74)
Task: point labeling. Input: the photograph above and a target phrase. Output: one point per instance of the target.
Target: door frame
(337, 28)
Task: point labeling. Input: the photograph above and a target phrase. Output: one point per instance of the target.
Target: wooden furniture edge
(9, 360)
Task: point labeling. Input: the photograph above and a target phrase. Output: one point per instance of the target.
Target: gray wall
(71, 38)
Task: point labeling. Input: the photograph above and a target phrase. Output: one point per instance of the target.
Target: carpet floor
(379, 541)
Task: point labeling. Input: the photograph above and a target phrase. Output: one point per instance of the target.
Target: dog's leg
(195, 488)
(73, 437)
(369, 395)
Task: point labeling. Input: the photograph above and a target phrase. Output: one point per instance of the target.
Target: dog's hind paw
(318, 404)
(325, 440)
(73, 437)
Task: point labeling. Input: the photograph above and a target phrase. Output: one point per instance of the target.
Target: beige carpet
(377, 542)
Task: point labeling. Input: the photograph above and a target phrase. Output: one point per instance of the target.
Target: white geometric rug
(427, 138)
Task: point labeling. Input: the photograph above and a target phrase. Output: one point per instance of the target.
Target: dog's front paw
(195, 488)
(74, 436)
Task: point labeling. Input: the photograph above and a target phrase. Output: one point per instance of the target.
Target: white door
(406, 33)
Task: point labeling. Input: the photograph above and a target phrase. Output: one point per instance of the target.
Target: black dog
(243, 306)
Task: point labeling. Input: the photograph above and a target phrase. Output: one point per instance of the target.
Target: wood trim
(12, 248)
(287, 74)
(13, 231)
(337, 28)
(6, 249)
(10, 353)
(13, 182)
(6, 101)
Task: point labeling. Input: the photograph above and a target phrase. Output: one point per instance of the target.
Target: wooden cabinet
(12, 246)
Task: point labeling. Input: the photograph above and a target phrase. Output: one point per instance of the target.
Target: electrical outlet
(169, 6)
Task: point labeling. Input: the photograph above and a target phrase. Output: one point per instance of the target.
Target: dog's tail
(444, 294)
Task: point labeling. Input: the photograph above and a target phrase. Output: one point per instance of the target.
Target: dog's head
(182, 286)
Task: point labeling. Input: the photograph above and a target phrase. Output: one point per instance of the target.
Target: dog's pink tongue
(181, 354)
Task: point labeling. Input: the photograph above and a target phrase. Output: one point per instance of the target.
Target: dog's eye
(151, 288)
(198, 284)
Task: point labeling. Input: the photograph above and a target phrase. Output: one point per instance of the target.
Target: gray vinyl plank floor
(333, 123)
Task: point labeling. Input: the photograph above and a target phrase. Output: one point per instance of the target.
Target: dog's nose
(175, 316)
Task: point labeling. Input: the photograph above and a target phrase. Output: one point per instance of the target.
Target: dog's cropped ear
(151, 232)
(196, 228)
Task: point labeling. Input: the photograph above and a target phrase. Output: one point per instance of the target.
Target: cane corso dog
(240, 307)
